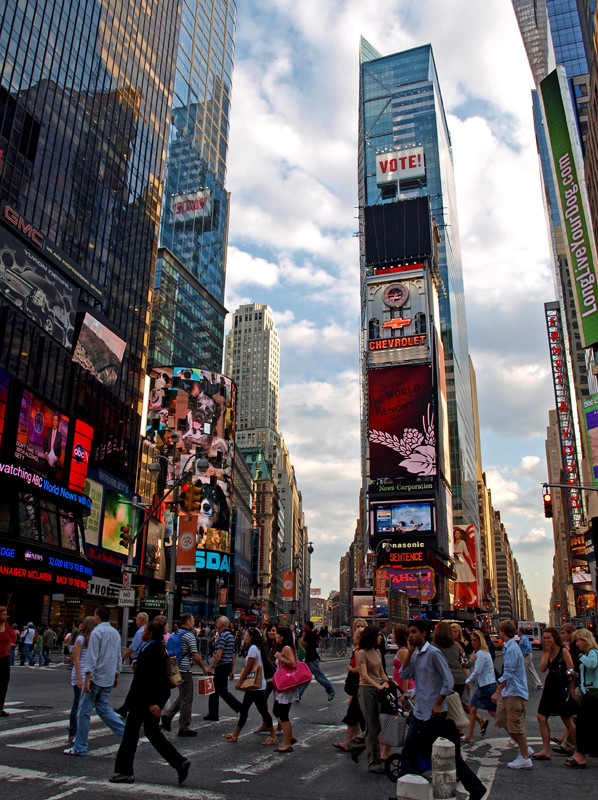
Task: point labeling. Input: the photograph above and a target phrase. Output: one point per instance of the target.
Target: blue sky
(292, 173)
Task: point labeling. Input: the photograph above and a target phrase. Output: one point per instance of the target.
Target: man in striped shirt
(184, 702)
(224, 670)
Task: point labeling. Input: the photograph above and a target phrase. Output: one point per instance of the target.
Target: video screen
(402, 517)
(41, 436)
(99, 351)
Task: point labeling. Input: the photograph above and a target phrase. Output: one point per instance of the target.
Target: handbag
(454, 711)
(394, 729)
(173, 673)
(388, 699)
(352, 683)
(286, 679)
(252, 681)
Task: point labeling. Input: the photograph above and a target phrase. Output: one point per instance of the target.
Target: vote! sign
(400, 166)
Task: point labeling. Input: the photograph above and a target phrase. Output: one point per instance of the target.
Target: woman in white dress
(465, 592)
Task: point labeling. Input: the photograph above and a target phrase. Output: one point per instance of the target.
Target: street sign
(126, 597)
(154, 603)
(128, 568)
(127, 580)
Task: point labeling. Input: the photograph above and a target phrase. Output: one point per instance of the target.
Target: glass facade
(84, 95)
(194, 225)
(401, 105)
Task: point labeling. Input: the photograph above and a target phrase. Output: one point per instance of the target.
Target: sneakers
(521, 763)
(70, 751)
(331, 697)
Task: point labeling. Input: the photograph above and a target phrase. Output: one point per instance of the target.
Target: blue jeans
(74, 710)
(27, 655)
(97, 698)
(319, 676)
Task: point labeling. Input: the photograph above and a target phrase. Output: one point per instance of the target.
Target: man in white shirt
(102, 669)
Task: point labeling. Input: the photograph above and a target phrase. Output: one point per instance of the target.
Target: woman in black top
(147, 697)
(556, 697)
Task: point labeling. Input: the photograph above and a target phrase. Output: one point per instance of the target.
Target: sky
(292, 174)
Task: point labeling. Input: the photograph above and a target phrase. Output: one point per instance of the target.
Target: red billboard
(401, 422)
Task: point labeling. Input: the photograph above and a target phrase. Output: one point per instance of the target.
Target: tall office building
(188, 317)
(84, 97)
(408, 221)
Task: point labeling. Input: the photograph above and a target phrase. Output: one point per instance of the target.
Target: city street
(33, 766)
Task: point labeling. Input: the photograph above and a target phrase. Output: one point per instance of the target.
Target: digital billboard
(41, 436)
(590, 412)
(38, 290)
(4, 384)
(99, 351)
(398, 231)
(402, 431)
(402, 518)
(117, 512)
(464, 554)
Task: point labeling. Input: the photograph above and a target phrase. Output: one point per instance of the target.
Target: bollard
(444, 773)
(413, 787)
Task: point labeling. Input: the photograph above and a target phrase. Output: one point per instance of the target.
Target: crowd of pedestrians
(444, 680)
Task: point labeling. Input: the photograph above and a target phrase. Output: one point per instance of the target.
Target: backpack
(174, 645)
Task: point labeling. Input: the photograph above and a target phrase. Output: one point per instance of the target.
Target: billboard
(590, 415)
(415, 581)
(568, 170)
(4, 385)
(401, 424)
(400, 165)
(37, 290)
(41, 436)
(402, 518)
(99, 351)
(398, 231)
(79, 461)
(464, 554)
(190, 206)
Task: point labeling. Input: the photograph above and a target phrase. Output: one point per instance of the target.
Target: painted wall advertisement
(402, 432)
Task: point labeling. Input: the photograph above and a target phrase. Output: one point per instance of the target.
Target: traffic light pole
(135, 506)
(173, 553)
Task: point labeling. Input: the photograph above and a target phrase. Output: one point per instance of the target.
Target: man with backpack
(183, 645)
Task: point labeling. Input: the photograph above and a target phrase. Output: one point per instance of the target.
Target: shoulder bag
(252, 681)
(173, 673)
(286, 679)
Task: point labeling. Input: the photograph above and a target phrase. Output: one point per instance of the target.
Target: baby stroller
(394, 719)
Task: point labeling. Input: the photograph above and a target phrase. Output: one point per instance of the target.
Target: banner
(288, 585)
(466, 584)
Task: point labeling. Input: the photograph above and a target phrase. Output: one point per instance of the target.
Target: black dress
(148, 688)
(556, 700)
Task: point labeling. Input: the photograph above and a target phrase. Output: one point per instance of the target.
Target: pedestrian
(102, 669)
(483, 675)
(39, 647)
(400, 635)
(564, 743)
(138, 642)
(372, 678)
(433, 683)
(147, 697)
(14, 638)
(5, 648)
(255, 660)
(556, 698)
(271, 648)
(48, 643)
(511, 696)
(353, 719)
(184, 701)
(286, 657)
(79, 660)
(312, 659)
(224, 670)
(526, 649)
(587, 714)
(28, 640)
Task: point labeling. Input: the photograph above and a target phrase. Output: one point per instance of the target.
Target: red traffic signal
(547, 505)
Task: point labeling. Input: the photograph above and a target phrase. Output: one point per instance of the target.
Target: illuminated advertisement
(99, 351)
(80, 455)
(194, 205)
(199, 406)
(590, 413)
(464, 554)
(37, 290)
(4, 384)
(402, 432)
(402, 517)
(415, 581)
(117, 512)
(361, 603)
(41, 436)
(92, 523)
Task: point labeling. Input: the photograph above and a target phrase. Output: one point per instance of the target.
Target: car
(391, 645)
(496, 641)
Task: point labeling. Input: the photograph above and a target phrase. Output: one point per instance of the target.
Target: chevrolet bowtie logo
(397, 323)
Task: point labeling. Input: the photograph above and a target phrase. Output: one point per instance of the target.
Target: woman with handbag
(556, 699)
(372, 678)
(587, 714)
(147, 697)
(353, 719)
(286, 658)
(252, 681)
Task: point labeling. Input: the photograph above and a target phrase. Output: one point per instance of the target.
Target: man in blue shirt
(224, 670)
(526, 651)
(433, 682)
(102, 669)
(512, 695)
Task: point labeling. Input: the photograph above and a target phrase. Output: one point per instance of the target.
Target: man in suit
(53, 442)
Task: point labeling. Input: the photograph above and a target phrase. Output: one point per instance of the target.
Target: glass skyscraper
(188, 320)
(400, 106)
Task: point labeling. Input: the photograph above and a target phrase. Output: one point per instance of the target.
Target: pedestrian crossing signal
(547, 505)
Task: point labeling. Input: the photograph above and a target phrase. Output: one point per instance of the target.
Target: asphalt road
(33, 766)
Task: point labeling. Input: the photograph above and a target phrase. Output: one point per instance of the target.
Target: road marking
(56, 741)
(28, 728)
(70, 793)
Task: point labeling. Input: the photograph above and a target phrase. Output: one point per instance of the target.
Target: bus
(533, 631)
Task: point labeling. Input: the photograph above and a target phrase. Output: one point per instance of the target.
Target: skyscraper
(188, 318)
(84, 96)
(402, 122)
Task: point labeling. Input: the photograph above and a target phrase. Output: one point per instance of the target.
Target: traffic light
(190, 497)
(125, 536)
(547, 504)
